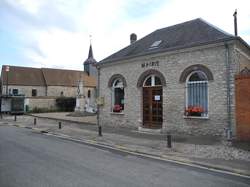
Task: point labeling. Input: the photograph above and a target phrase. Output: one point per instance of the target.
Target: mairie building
(178, 79)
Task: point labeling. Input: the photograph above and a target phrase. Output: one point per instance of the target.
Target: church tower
(90, 64)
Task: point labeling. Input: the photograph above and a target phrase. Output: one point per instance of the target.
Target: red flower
(194, 110)
(117, 108)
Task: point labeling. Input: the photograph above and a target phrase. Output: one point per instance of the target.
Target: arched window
(152, 80)
(197, 94)
(117, 95)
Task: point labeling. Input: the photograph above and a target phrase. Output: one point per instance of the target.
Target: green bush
(66, 104)
(42, 110)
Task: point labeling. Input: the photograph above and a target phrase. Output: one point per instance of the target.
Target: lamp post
(7, 69)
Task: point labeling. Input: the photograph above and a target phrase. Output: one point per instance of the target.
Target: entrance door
(152, 107)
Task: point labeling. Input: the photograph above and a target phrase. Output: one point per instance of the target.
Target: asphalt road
(31, 159)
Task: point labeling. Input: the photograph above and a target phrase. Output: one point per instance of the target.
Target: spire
(90, 59)
(90, 52)
(90, 62)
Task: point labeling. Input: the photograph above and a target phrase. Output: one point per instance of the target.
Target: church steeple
(90, 52)
(89, 63)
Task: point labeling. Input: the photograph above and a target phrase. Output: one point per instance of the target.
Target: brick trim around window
(197, 67)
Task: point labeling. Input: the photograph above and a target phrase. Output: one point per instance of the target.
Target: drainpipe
(229, 124)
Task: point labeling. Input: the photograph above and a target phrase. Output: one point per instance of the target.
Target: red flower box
(117, 108)
(194, 111)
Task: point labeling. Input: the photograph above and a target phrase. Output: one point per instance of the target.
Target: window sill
(117, 113)
(195, 117)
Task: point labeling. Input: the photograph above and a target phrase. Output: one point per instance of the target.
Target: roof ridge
(61, 69)
(20, 66)
(182, 23)
(215, 27)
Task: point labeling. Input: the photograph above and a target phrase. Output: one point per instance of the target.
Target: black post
(60, 125)
(100, 130)
(34, 121)
(15, 118)
(169, 140)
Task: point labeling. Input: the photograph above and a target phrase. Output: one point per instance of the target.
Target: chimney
(235, 23)
(133, 38)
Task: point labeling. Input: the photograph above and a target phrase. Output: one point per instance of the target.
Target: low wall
(40, 102)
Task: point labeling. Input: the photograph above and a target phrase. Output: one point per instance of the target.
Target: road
(31, 159)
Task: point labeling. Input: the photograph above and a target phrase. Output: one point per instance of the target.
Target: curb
(167, 158)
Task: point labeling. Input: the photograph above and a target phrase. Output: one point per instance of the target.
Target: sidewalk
(204, 151)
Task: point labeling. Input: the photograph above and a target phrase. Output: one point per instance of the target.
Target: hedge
(66, 104)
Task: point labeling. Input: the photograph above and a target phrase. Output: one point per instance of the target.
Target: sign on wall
(150, 64)
(157, 97)
(100, 101)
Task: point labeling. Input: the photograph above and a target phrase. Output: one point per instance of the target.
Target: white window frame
(152, 81)
(186, 94)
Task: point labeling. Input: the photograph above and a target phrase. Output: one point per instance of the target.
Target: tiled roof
(23, 76)
(45, 76)
(183, 35)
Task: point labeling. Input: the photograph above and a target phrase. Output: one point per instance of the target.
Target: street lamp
(7, 69)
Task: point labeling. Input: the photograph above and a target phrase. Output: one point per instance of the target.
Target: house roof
(45, 76)
(60, 77)
(23, 76)
(183, 35)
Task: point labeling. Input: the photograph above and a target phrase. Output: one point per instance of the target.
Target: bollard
(34, 121)
(100, 130)
(59, 125)
(15, 118)
(169, 140)
(1, 115)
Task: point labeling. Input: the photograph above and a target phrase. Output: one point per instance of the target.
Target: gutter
(229, 112)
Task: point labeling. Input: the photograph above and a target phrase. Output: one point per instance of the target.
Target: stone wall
(41, 102)
(65, 90)
(26, 90)
(171, 65)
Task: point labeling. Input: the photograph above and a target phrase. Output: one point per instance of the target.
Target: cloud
(55, 33)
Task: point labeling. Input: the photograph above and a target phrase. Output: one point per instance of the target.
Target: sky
(57, 33)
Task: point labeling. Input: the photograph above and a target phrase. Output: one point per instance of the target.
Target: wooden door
(152, 107)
